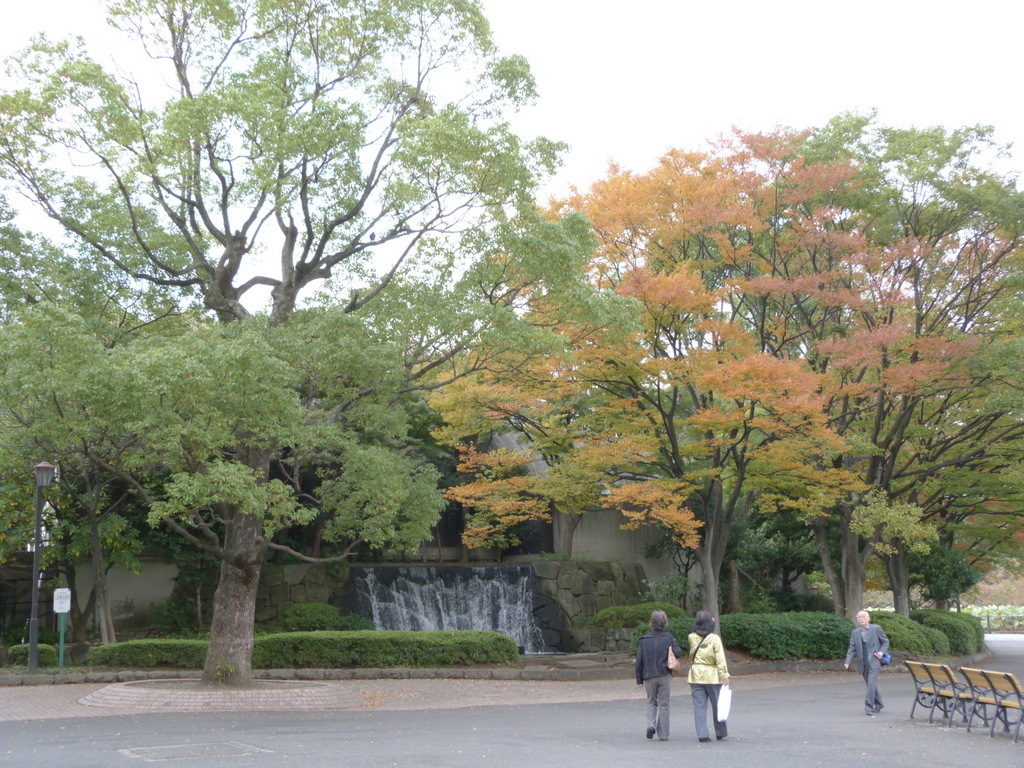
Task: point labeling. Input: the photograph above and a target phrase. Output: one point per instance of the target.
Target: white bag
(724, 702)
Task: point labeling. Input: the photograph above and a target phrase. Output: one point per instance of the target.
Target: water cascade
(497, 598)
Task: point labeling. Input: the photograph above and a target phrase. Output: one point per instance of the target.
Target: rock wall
(282, 586)
(569, 594)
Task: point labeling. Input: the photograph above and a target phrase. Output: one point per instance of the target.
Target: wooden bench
(924, 688)
(984, 696)
(938, 687)
(1009, 701)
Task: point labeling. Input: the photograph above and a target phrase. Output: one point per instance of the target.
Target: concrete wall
(131, 594)
(599, 536)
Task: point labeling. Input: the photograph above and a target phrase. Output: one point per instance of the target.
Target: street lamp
(45, 472)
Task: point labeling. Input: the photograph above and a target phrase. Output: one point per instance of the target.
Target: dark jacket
(652, 654)
(876, 641)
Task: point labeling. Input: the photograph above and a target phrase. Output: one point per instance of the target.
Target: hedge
(187, 654)
(800, 635)
(324, 649)
(940, 643)
(17, 655)
(387, 648)
(905, 635)
(626, 616)
(965, 632)
(308, 617)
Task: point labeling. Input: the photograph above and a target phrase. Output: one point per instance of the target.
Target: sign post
(62, 606)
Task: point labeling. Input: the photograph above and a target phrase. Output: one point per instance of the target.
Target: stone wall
(282, 586)
(569, 594)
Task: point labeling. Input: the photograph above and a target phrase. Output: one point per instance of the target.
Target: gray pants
(659, 691)
(701, 695)
(872, 698)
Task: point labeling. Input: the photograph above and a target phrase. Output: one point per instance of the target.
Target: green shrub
(352, 622)
(801, 635)
(300, 650)
(626, 616)
(17, 634)
(965, 632)
(904, 635)
(175, 617)
(806, 634)
(679, 626)
(310, 617)
(792, 602)
(940, 643)
(17, 655)
(187, 654)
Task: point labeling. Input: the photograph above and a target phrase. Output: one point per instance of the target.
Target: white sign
(62, 600)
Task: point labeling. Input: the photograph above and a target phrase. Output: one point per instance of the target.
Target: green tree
(299, 142)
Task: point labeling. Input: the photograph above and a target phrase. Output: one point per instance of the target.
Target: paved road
(779, 721)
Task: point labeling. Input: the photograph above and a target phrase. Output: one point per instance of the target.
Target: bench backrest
(918, 672)
(977, 679)
(943, 674)
(1005, 683)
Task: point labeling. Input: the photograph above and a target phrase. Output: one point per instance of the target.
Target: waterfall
(498, 598)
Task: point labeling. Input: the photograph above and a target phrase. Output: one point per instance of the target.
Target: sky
(626, 80)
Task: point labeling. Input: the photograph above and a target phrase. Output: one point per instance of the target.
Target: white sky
(626, 80)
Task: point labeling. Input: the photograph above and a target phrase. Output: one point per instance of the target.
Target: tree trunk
(854, 560)
(899, 580)
(103, 609)
(835, 580)
(572, 521)
(229, 658)
(733, 601)
(709, 574)
(79, 616)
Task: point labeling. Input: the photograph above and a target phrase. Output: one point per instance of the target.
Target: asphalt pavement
(781, 719)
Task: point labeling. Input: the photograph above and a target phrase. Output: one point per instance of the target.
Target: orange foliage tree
(806, 313)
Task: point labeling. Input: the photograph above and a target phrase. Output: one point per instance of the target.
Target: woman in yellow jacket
(708, 673)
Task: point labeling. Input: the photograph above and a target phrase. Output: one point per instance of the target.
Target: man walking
(868, 643)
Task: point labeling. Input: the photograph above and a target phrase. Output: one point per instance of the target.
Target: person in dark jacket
(652, 672)
(868, 643)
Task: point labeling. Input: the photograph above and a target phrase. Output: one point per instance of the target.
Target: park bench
(938, 687)
(1009, 701)
(982, 693)
(924, 688)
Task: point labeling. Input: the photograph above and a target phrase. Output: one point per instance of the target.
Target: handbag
(673, 662)
(724, 702)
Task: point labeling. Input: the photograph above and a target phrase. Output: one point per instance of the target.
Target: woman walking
(652, 672)
(708, 673)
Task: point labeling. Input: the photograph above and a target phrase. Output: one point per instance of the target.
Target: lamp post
(45, 472)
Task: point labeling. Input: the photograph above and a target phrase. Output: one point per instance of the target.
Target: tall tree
(297, 142)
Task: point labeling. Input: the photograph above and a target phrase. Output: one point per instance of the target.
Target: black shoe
(869, 712)
(650, 733)
(706, 738)
(719, 738)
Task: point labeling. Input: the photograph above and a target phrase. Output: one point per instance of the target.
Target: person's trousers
(872, 698)
(701, 695)
(659, 692)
